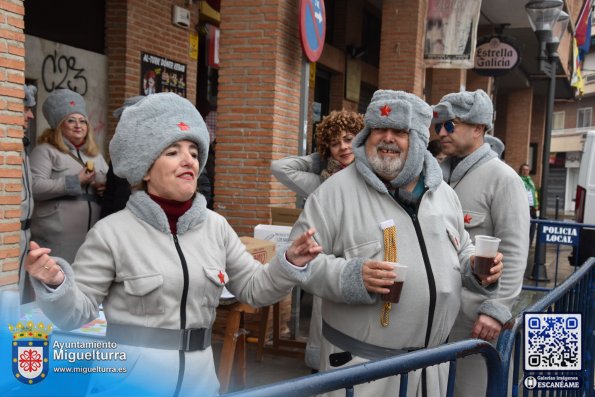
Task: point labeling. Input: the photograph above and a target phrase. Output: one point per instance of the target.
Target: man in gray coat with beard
(494, 203)
(390, 205)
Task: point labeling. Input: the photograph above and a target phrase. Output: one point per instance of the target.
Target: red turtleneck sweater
(173, 210)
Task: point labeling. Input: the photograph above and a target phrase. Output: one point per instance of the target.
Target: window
(558, 121)
(583, 118)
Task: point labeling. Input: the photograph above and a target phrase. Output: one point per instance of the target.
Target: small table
(232, 361)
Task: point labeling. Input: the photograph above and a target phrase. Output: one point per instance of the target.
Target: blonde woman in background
(66, 168)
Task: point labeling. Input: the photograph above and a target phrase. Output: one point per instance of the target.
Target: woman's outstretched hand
(42, 267)
(303, 249)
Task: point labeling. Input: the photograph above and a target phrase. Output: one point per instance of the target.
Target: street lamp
(549, 23)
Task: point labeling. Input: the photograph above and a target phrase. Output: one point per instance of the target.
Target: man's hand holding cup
(487, 262)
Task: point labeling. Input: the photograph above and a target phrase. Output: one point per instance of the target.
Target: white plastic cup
(486, 249)
(395, 290)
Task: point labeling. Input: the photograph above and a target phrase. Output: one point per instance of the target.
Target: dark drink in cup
(483, 266)
(395, 288)
(486, 249)
(395, 292)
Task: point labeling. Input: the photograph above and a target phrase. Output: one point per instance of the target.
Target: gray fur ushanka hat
(30, 91)
(399, 110)
(151, 125)
(62, 103)
(470, 107)
(495, 143)
(127, 102)
(402, 111)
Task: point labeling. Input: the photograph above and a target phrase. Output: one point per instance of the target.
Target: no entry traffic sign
(312, 27)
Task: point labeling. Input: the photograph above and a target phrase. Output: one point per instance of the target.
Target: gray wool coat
(130, 264)
(494, 202)
(346, 211)
(61, 220)
(27, 204)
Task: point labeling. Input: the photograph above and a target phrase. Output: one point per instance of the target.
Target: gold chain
(390, 255)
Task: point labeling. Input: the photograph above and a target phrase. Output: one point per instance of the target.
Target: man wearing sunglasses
(494, 203)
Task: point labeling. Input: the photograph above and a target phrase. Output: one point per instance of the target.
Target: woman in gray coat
(64, 166)
(303, 174)
(159, 265)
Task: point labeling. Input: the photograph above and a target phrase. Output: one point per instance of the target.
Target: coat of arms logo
(30, 352)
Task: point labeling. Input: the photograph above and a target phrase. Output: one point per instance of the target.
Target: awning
(567, 143)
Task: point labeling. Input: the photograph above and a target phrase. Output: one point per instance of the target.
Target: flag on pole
(577, 78)
(583, 29)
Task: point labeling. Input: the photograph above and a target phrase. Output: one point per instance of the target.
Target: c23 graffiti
(56, 72)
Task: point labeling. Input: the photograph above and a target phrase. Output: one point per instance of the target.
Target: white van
(585, 200)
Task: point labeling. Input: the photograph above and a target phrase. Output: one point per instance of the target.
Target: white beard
(387, 168)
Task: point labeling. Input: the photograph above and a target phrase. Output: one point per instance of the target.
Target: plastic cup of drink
(395, 289)
(486, 249)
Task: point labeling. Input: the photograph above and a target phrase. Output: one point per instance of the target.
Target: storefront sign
(193, 46)
(212, 38)
(159, 74)
(495, 56)
(312, 28)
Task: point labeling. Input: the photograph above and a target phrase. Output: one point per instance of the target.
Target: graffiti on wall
(60, 71)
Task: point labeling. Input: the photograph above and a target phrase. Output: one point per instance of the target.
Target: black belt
(359, 348)
(26, 224)
(190, 339)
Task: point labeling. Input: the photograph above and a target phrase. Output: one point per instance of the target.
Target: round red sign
(312, 27)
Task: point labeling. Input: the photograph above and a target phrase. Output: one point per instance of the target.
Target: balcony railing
(572, 131)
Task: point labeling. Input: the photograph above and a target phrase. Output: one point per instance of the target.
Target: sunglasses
(449, 126)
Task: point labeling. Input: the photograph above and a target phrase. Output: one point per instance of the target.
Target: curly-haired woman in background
(303, 174)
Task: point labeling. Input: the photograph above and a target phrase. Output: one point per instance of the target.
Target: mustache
(388, 146)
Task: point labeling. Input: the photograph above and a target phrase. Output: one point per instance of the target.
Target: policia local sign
(495, 56)
(558, 233)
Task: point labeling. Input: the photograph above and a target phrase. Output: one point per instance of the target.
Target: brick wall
(440, 82)
(475, 82)
(136, 26)
(401, 45)
(12, 77)
(570, 110)
(258, 103)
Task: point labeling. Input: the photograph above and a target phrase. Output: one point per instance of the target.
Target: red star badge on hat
(72, 103)
(467, 218)
(385, 111)
(221, 277)
(435, 114)
(183, 126)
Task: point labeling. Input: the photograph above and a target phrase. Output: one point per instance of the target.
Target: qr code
(552, 342)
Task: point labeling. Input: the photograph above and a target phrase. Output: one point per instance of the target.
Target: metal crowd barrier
(575, 295)
(346, 378)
